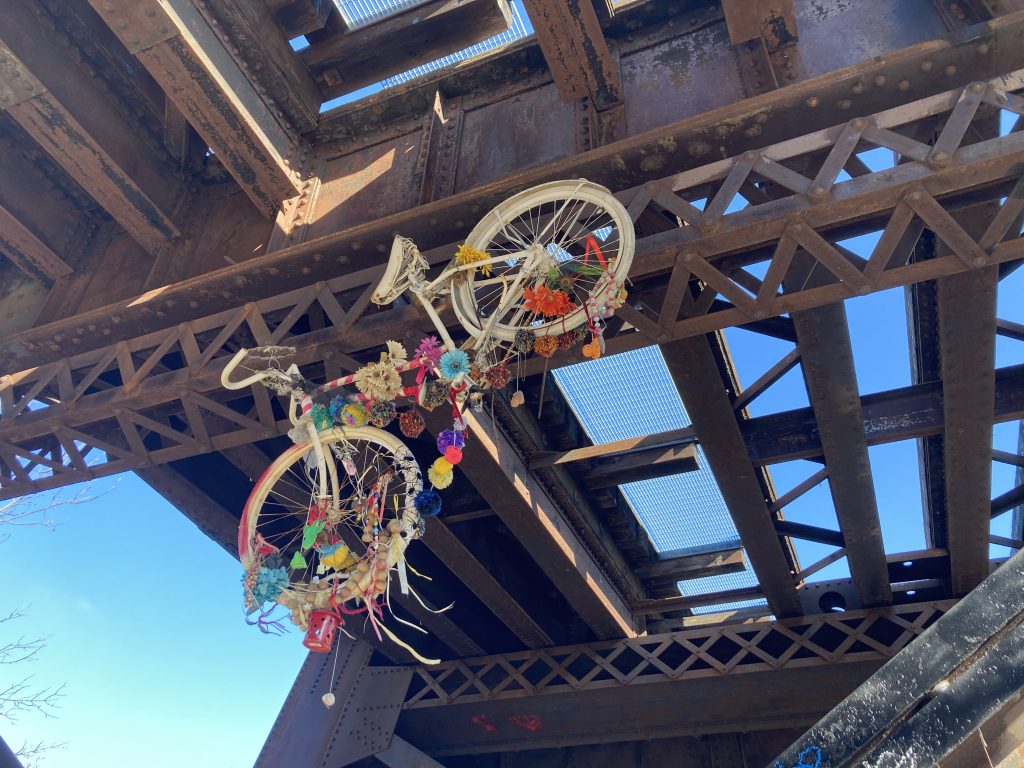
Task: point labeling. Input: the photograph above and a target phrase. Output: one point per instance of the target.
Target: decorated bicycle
(325, 530)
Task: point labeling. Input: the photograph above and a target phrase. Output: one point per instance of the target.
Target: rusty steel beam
(349, 60)
(576, 51)
(618, 165)
(497, 470)
(67, 114)
(611, 691)
(967, 335)
(694, 370)
(823, 338)
(27, 252)
(683, 567)
(180, 50)
(772, 20)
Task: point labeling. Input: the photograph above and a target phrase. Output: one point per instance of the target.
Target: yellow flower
(467, 255)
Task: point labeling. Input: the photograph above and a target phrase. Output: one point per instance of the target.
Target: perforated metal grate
(632, 394)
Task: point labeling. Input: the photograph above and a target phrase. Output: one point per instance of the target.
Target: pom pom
(452, 454)
(476, 373)
(321, 416)
(440, 479)
(430, 348)
(450, 437)
(411, 424)
(434, 395)
(498, 376)
(355, 415)
(566, 340)
(382, 414)
(441, 465)
(336, 407)
(427, 502)
(524, 341)
(579, 334)
(454, 365)
(545, 346)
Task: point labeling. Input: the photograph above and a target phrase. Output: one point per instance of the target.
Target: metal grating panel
(359, 13)
(683, 513)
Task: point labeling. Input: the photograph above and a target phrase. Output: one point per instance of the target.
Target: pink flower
(430, 348)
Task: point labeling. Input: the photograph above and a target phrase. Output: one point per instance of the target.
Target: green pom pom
(321, 417)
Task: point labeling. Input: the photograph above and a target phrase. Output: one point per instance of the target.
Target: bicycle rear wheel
(584, 241)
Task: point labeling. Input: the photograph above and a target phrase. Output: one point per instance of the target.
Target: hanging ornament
(448, 438)
(328, 699)
(452, 454)
(411, 423)
(434, 395)
(321, 416)
(298, 562)
(524, 341)
(517, 399)
(382, 414)
(565, 340)
(355, 415)
(545, 346)
(428, 502)
(498, 376)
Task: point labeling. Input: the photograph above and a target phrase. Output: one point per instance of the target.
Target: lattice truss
(867, 635)
(156, 398)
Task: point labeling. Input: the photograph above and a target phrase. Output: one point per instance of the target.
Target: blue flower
(269, 584)
(454, 363)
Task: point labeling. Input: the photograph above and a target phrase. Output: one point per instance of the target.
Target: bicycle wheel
(336, 550)
(581, 238)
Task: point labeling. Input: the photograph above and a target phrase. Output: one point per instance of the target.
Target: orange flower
(543, 301)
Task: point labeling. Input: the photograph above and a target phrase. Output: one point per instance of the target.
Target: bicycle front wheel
(581, 238)
(339, 548)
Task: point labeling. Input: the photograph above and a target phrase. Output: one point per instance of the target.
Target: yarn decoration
(452, 454)
(450, 437)
(382, 414)
(355, 415)
(321, 416)
(269, 582)
(545, 346)
(524, 341)
(440, 478)
(434, 395)
(428, 502)
(335, 408)
(498, 376)
(411, 423)
(430, 350)
(579, 334)
(454, 365)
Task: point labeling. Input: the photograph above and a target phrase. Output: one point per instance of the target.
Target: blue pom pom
(428, 502)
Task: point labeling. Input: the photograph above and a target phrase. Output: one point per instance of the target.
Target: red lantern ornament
(452, 454)
(320, 635)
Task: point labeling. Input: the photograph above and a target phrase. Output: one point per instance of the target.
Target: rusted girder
(694, 370)
(179, 49)
(498, 471)
(28, 253)
(67, 114)
(967, 334)
(348, 60)
(772, 20)
(576, 51)
(826, 354)
(749, 676)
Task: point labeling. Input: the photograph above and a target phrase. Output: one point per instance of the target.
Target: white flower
(397, 353)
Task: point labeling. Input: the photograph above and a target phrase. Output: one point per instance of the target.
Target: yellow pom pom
(442, 465)
(440, 480)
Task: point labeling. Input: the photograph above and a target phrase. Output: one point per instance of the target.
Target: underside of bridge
(176, 184)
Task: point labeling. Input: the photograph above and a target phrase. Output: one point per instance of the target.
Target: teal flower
(454, 365)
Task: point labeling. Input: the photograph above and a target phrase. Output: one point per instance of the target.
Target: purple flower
(430, 348)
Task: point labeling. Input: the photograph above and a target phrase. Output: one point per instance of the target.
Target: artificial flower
(396, 353)
(467, 255)
(378, 381)
(544, 301)
(430, 348)
(454, 365)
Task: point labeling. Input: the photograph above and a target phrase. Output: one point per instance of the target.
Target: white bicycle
(328, 522)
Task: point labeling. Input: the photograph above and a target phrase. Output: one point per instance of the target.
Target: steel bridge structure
(171, 190)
